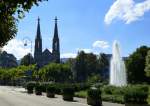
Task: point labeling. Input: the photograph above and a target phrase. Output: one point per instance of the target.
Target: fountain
(117, 68)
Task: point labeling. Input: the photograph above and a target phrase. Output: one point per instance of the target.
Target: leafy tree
(103, 61)
(7, 60)
(136, 64)
(11, 75)
(56, 73)
(91, 64)
(103, 65)
(147, 67)
(80, 67)
(94, 78)
(8, 19)
(86, 64)
(27, 60)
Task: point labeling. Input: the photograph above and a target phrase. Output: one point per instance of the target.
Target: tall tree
(136, 64)
(8, 19)
(86, 64)
(7, 60)
(103, 65)
(27, 60)
(147, 67)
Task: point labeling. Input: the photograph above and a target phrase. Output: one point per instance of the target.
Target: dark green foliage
(113, 94)
(27, 60)
(94, 93)
(136, 94)
(129, 94)
(9, 76)
(147, 65)
(8, 20)
(103, 61)
(94, 78)
(136, 64)
(112, 90)
(53, 71)
(30, 86)
(87, 64)
(94, 97)
(68, 92)
(38, 89)
(81, 86)
(113, 98)
(7, 60)
(50, 90)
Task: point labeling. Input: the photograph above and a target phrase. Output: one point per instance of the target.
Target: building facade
(45, 57)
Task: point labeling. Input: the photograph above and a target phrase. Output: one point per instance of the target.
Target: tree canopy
(27, 60)
(10, 12)
(136, 64)
(147, 65)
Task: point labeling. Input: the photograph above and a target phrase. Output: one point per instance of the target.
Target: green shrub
(44, 86)
(68, 93)
(94, 93)
(81, 86)
(112, 90)
(30, 86)
(50, 91)
(94, 97)
(81, 94)
(38, 89)
(136, 94)
(113, 98)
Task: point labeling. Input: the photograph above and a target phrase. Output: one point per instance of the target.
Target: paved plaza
(11, 96)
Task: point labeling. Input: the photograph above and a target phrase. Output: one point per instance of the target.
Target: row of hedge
(129, 94)
(59, 86)
(67, 91)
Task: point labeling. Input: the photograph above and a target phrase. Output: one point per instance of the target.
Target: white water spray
(117, 68)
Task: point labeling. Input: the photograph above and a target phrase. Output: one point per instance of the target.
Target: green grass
(81, 94)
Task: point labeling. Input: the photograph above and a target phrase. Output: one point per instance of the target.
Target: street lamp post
(26, 41)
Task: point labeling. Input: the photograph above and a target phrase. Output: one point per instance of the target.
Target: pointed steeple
(56, 29)
(38, 44)
(38, 34)
(56, 47)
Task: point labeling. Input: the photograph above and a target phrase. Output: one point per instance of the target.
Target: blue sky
(90, 25)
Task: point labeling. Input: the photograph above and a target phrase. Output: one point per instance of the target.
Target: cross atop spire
(56, 19)
(38, 19)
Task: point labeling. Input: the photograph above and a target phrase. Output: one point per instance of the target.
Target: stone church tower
(38, 44)
(56, 46)
(45, 57)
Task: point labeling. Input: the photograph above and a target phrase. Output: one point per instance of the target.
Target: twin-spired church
(44, 57)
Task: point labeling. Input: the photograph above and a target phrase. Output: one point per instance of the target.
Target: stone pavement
(12, 96)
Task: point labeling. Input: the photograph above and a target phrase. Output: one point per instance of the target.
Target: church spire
(38, 44)
(56, 29)
(38, 34)
(56, 47)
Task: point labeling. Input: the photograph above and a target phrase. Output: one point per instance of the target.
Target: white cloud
(68, 55)
(127, 10)
(85, 50)
(17, 48)
(101, 44)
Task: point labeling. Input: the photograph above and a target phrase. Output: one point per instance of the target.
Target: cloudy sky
(89, 25)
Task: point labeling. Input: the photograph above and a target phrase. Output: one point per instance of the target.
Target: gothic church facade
(45, 57)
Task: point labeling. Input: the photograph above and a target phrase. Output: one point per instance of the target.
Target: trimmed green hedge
(136, 94)
(94, 97)
(38, 89)
(68, 92)
(30, 87)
